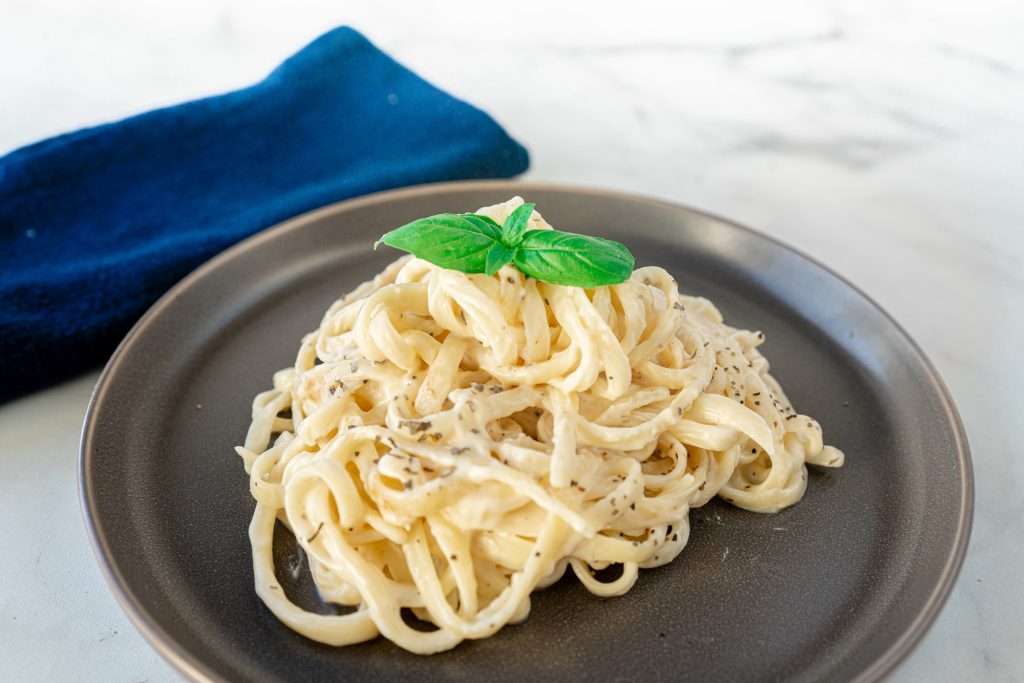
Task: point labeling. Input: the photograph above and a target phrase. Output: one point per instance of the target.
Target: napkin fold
(95, 225)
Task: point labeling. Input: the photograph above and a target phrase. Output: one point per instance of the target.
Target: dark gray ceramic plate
(839, 587)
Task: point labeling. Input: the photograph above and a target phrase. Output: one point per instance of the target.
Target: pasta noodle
(448, 443)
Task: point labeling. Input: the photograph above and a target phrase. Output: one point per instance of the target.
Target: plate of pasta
(510, 430)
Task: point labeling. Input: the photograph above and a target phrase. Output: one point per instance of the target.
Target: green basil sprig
(472, 243)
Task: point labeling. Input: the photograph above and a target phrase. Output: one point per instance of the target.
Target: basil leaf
(473, 243)
(499, 255)
(515, 224)
(455, 241)
(565, 258)
(485, 219)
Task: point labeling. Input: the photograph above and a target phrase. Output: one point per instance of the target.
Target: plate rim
(186, 663)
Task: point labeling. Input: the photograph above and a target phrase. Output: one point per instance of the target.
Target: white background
(883, 138)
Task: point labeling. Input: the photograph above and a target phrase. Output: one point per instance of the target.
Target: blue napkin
(95, 225)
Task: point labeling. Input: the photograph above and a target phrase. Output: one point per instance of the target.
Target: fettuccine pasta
(446, 443)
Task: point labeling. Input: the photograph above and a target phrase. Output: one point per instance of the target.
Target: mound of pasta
(448, 443)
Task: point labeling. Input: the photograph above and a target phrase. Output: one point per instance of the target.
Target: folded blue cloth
(95, 225)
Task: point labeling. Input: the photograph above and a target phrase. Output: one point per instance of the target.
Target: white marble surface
(884, 138)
